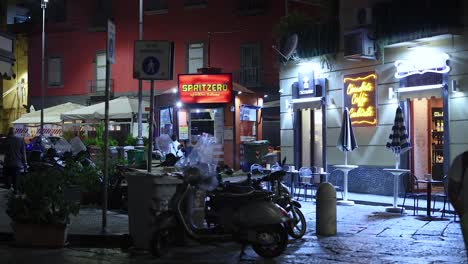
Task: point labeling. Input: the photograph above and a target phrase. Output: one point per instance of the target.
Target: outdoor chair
(306, 181)
(443, 196)
(276, 167)
(338, 187)
(411, 187)
(256, 169)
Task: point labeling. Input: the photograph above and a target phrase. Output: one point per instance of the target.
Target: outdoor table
(323, 176)
(293, 179)
(345, 169)
(429, 182)
(396, 180)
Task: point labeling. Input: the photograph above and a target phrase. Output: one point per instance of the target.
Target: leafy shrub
(43, 199)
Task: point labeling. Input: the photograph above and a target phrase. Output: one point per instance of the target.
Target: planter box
(37, 235)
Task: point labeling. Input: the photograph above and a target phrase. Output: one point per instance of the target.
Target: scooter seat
(237, 189)
(261, 194)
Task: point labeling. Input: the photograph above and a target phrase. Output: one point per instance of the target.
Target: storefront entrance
(311, 137)
(427, 136)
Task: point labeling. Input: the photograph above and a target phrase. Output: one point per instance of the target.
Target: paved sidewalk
(366, 234)
(89, 220)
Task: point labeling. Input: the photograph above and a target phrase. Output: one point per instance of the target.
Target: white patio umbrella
(398, 143)
(346, 140)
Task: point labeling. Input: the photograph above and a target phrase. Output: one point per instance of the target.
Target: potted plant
(41, 212)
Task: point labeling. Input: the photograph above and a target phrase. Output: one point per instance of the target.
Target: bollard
(326, 210)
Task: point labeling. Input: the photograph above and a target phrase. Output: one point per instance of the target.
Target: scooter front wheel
(272, 241)
(297, 227)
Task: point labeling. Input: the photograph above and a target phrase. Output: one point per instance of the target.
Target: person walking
(458, 192)
(15, 160)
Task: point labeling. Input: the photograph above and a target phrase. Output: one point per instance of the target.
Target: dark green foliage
(43, 199)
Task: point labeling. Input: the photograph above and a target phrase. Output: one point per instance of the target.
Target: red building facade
(240, 43)
(234, 35)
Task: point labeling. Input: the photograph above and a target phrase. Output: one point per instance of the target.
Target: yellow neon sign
(360, 93)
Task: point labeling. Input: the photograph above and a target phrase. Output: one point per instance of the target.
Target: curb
(80, 240)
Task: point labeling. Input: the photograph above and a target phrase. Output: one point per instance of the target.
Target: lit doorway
(427, 136)
(311, 138)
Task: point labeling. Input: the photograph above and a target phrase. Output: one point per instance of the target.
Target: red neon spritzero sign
(205, 88)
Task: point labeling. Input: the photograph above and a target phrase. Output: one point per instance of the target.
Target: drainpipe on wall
(285, 7)
(3, 14)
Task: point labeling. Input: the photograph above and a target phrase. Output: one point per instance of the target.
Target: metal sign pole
(106, 151)
(110, 58)
(150, 123)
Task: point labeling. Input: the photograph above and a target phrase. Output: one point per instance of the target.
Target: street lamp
(43, 6)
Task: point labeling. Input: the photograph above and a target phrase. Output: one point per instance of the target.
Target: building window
(195, 3)
(57, 11)
(55, 71)
(100, 77)
(102, 12)
(155, 6)
(195, 57)
(250, 71)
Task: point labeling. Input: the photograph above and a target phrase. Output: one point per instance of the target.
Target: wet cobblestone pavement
(366, 234)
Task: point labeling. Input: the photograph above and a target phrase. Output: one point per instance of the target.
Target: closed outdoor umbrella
(346, 140)
(398, 143)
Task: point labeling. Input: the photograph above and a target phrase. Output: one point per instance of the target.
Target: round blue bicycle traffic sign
(150, 65)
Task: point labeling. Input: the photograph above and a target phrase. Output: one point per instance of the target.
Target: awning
(419, 92)
(119, 108)
(271, 104)
(240, 88)
(303, 103)
(51, 114)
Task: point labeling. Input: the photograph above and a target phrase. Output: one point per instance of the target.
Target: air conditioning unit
(358, 45)
(353, 18)
(362, 16)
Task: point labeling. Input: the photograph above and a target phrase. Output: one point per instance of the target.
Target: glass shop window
(166, 121)
(248, 122)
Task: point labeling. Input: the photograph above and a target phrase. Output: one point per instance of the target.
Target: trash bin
(148, 195)
(136, 157)
(253, 152)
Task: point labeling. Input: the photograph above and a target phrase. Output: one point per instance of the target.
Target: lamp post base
(394, 210)
(345, 202)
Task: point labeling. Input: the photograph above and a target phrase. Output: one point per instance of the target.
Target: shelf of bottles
(437, 153)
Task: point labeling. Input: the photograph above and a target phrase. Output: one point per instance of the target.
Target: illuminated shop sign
(360, 98)
(436, 63)
(205, 88)
(306, 84)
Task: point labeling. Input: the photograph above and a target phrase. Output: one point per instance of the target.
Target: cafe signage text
(205, 88)
(360, 98)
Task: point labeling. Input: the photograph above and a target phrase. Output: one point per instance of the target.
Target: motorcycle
(242, 214)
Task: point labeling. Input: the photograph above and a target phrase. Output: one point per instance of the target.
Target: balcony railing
(251, 7)
(98, 87)
(155, 7)
(249, 77)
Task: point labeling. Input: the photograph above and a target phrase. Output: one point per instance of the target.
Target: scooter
(282, 197)
(242, 214)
